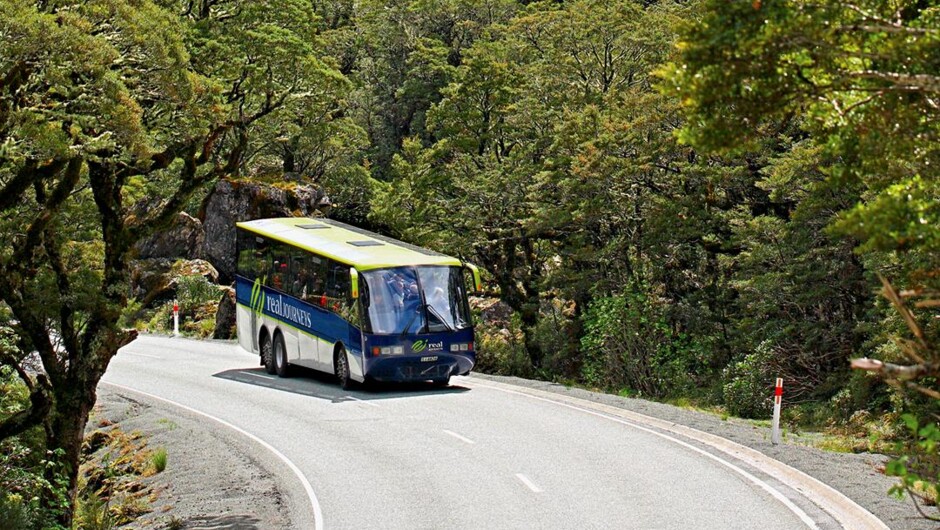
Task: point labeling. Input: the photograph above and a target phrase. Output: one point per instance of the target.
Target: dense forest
(680, 200)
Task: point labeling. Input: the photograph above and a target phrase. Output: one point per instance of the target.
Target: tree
(860, 79)
(405, 53)
(504, 175)
(113, 114)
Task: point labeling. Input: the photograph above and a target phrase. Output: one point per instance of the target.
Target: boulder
(184, 239)
(150, 281)
(493, 311)
(225, 316)
(154, 281)
(194, 267)
(232, 201)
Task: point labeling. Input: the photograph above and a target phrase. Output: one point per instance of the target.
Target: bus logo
(419, 346)
(257, 295)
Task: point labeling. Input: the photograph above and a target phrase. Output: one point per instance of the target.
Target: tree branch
(22, 258)
(39, 406)
(30, 172)
(898, 372)
(67, 331)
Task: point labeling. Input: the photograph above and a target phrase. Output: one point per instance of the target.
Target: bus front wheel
(341, 364)
(280, 356)
(267, 354)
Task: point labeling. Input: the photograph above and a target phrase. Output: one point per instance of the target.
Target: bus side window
(280, 267)
(338, 288)
(315, 283)
(300, 274)
(252, 257)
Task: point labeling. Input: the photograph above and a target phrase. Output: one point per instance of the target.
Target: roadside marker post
(176, 318)
(778, 397)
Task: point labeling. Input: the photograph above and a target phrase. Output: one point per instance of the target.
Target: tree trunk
(73, 404)
(530, 319)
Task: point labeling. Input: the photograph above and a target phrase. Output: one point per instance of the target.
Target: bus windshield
(424, 299)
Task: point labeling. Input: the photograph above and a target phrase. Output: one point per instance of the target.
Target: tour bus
(326, 295)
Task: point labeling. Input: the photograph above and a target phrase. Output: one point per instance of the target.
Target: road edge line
(314, 502)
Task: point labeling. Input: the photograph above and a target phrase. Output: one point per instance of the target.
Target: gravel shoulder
(212, 479)
(217, 479)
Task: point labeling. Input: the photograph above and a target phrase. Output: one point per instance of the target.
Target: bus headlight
(398, 350)
(461, 346)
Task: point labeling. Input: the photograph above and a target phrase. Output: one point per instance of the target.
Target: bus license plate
(429, 359)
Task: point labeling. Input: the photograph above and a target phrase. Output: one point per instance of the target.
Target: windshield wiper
(411, 320)
(438, 316)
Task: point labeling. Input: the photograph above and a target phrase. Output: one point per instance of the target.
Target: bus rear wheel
(341, 367)
(267, 355)
(280, 356)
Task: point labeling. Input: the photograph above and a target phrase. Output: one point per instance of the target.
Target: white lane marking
(459, 437)
(364, 402)
(314, 503)
(525, 480)
(268, 377)
(135, 354)
(807, 520)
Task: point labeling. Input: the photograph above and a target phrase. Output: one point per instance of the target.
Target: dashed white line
(135, 354)
(529, 484)
(459, 437)
(314, 503)
(268, 377)
(364, 402)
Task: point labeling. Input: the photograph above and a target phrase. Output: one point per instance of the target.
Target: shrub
(748, 388)
(196, 291)
(628, 343)
(501, 350)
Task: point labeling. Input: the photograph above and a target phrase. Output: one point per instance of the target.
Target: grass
(174, 523)
(158, 459)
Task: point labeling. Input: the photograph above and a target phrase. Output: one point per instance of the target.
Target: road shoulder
(212, 479)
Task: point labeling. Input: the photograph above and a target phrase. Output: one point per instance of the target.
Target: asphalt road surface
(473, 455)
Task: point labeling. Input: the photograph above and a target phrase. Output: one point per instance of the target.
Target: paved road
(474, 455)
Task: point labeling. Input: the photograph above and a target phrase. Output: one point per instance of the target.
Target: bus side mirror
(477, 282)
(354, 282)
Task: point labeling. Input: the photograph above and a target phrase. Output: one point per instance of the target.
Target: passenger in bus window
(277, 278)
(439, 301)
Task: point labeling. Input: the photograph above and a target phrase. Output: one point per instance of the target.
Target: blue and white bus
(329, 296)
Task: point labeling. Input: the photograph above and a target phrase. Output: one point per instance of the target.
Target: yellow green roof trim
(346, 243)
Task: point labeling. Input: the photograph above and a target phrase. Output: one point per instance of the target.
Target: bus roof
(344, 243)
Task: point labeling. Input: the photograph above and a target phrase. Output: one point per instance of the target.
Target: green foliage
(748, 388)
(23, 481)
(195, 291)
(92, 513)
(501, 350)
(918, 469)
(629, 343)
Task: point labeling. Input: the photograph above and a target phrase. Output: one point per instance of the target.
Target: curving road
(478, 454)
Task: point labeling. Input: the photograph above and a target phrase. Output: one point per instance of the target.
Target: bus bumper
(411, 368)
